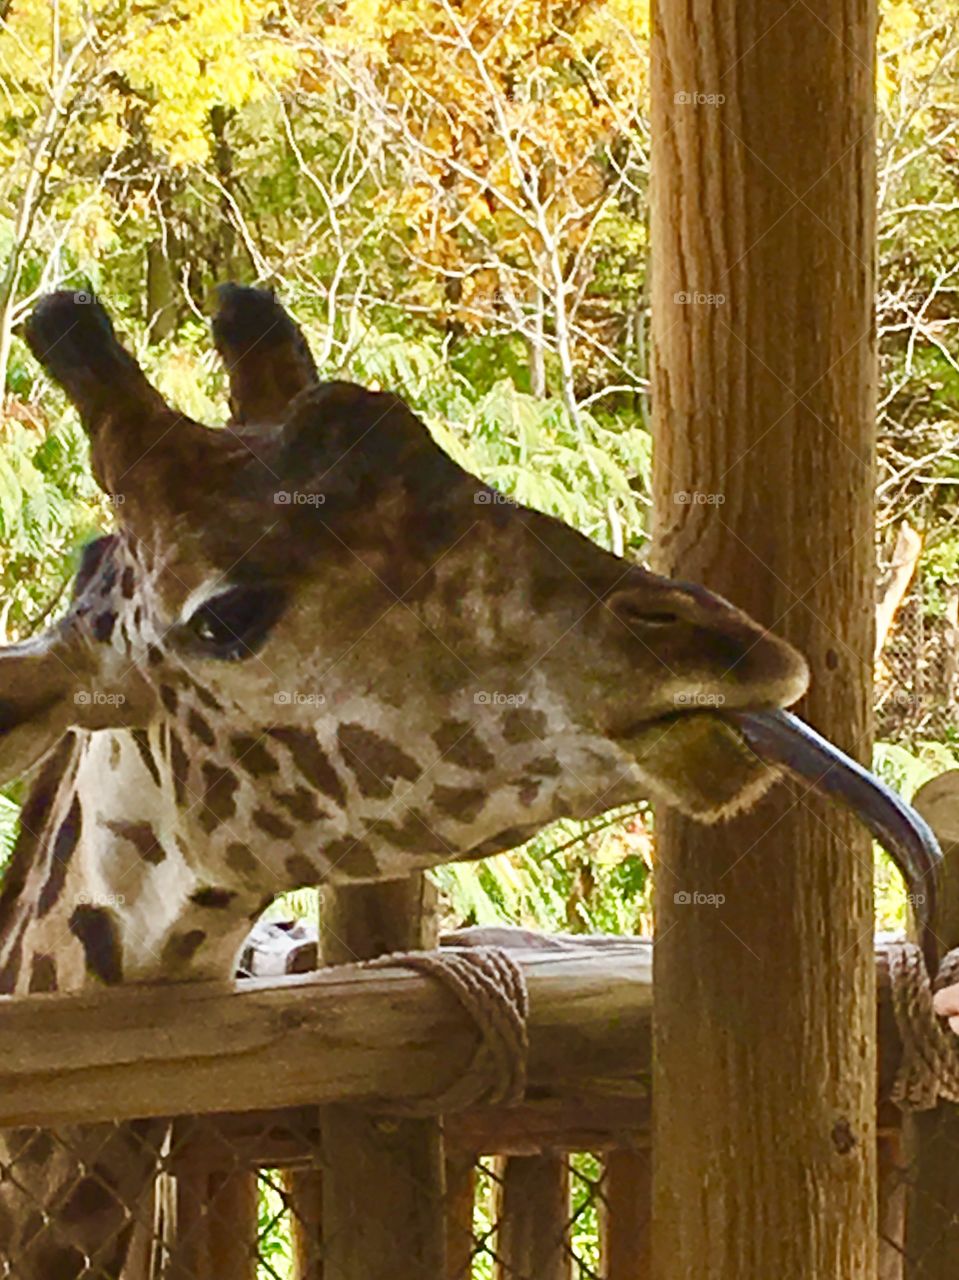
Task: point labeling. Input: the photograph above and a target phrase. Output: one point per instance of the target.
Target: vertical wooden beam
(931, 1138)
(763, 238)
(185, 1255)
(304, 1187)
(626, 1216)
(383, 1192)
(232, 1224)
(892, 1200)
(533, 1220)
(460, 1202)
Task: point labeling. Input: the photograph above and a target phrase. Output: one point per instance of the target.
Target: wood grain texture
(763, 237)
(383, 1179)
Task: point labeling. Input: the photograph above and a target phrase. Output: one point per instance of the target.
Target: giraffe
(315, 650)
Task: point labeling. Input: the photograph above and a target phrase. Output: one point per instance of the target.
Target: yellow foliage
(181, 60)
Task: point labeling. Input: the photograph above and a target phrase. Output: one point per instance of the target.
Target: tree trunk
(383, 1213)
(763, 235)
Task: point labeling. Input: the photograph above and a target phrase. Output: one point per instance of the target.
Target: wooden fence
(255, 1073)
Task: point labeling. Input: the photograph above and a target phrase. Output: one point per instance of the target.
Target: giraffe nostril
(656, 619)
(636, 616)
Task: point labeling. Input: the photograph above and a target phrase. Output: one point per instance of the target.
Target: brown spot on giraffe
(43, 973)
(251, 754)
(180, 766)
(272, 824)
(218, 802)
(465, 804)
(352, 858)
(95, 928)
(240, 859)
(141, 741)
(524, 724)
(213, 898)
(180, 948)
(199, 728)
(460, 744)
(141, 835)
(64, 845)
(301, 870)
(414, 832)
(301, 804)
(375, 762)
(311, 761)
(545, 767)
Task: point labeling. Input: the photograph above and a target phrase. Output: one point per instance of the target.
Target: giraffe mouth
(788, 744)
(712, 764)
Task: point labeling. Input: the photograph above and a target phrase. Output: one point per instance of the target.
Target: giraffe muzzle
(781, 739)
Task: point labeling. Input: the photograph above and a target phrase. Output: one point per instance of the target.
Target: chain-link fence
(555, 1187)
(243, 1196)
(918, 672)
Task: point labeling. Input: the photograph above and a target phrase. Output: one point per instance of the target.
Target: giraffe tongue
(782, 739)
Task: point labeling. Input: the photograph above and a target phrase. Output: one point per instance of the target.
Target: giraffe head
(339, 642)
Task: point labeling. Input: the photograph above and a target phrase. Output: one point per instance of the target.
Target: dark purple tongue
(782, 739)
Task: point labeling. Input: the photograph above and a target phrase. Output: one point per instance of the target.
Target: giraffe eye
(234, 625)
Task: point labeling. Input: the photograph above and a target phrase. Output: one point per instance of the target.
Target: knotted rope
(491, 987)
(929, 1066)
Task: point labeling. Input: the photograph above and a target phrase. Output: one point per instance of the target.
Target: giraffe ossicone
(314, 650)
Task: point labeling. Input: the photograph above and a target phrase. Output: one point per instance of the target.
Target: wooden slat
(531, 1240)
(231, 1225)
(304, 1187)
(626, 1216)
(185, 1255)
(460, 1198)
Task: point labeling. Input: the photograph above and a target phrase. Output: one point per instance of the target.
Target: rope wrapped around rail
(929, 1067)
(491, 987)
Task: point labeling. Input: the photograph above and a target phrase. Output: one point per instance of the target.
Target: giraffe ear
(40, 699)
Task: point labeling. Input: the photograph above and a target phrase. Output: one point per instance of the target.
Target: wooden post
(460, 1202)
(533, 1219)
(931, 1138)
(304, 1187)
(232, 1224)
(626, 1216)
(892, 1199)
(763, 236)
(185, 1255)
(383, 1193)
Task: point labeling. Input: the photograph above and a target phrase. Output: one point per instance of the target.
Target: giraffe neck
(102, 887)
